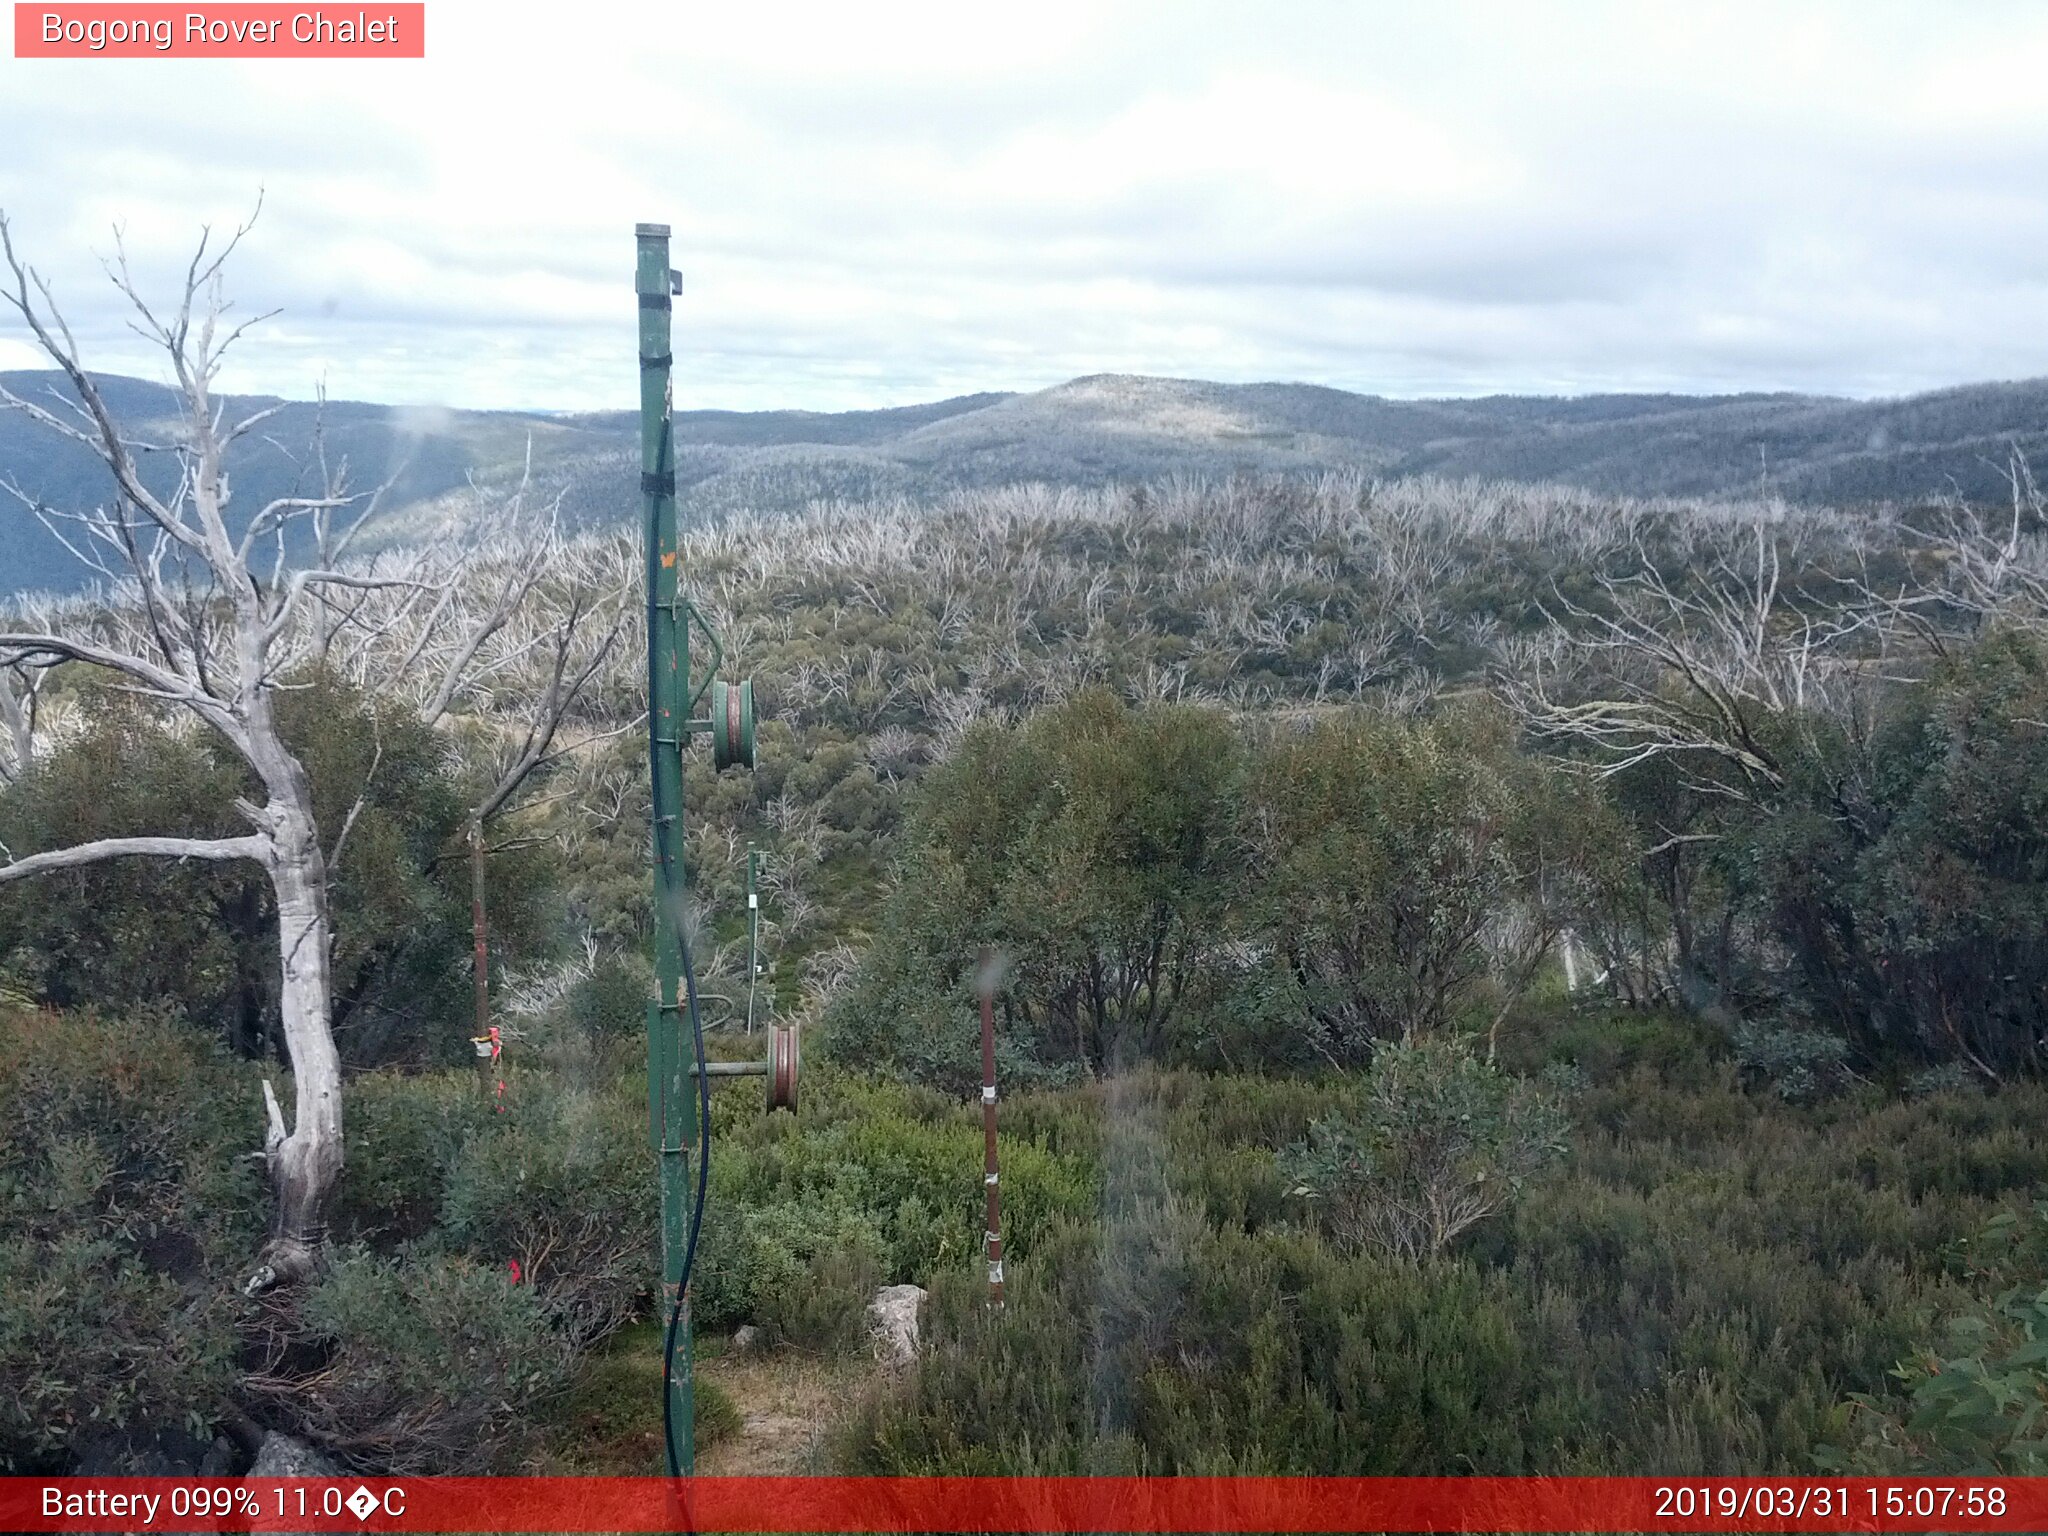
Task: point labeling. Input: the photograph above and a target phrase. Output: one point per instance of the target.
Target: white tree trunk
(304, 1160)
(17, 720)
(305, 1166)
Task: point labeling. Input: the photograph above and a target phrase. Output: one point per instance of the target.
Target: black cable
(668, 1350)
(653, 491)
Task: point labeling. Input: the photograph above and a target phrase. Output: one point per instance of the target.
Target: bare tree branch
(181, 848)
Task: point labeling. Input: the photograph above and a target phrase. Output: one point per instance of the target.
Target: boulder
(745, 1339)
(282, 1456)
(893, 1318)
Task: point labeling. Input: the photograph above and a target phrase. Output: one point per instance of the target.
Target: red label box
(224, 31)
(415, 1506)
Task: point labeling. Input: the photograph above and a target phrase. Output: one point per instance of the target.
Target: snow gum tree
(205, 612)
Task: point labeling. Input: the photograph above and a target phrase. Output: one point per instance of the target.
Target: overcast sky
(879, 203)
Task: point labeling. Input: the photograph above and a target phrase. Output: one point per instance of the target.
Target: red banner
(220, 31)
(1105, 1504)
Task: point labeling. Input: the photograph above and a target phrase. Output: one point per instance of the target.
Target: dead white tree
(1691, 671)
(1713, 676)
(560, 634)
(1980, 567)
(213, 621)
(212, 633)
(20, 694)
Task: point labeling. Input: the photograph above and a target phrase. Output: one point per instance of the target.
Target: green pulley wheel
(732, 725)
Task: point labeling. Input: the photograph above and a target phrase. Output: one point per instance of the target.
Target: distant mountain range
(1107, 428)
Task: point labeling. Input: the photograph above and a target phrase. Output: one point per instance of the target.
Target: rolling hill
(1101, 429)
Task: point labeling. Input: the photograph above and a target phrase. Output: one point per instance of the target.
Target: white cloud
(884, 203)
(19, 354)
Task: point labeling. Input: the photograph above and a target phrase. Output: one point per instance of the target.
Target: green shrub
(1693, 1286)
(611, 1002)
(183, 934)
(127, 1206)
(1946, 1077)
(1439, 1141)
(203, 937)
(1161, 1346)
(826, 1311)
(608, 1421)
(558, 1183)
(406, 1134)
(1166, 886)
(1903, 868)
(561, 1184)
(714, 1415)
(1382, 850)
(1972, 1404)
(756, 1263)
(1606, 1043)
(1799, 1065)
(1094, 846)
(420, 1363)
(882, 1169)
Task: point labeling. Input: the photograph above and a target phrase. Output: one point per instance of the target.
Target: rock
(282, 1456)
(893, 1315)
(745, 1339)
(284, 1261)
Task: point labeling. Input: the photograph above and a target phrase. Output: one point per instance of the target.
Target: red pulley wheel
(732, 724)
(782, 1066)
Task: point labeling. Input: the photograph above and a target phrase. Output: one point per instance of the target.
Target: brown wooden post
(994, 1234)
(487, 1063)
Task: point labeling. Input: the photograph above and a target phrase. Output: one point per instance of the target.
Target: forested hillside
(1106, 430)
(1497, 979)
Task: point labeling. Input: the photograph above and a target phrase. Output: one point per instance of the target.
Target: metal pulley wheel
(732, 724)
(782, 1065)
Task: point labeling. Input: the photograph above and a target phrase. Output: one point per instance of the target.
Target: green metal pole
(672, 1106)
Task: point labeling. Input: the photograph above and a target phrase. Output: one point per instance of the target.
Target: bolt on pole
(672, 1105)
